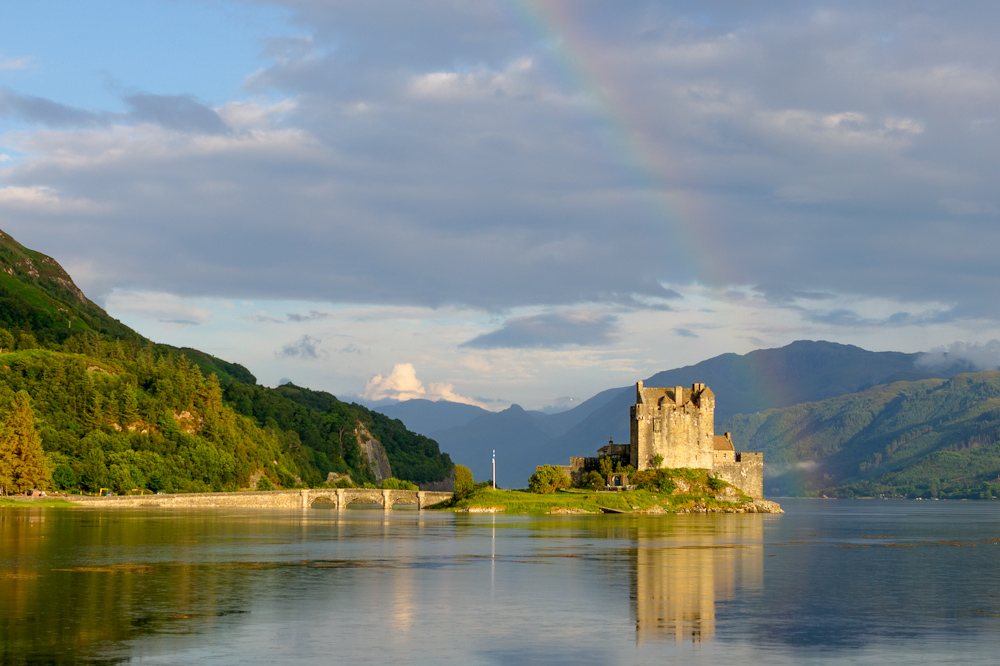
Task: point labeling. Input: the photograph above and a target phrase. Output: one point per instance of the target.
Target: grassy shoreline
(24, 501)
(576, 501)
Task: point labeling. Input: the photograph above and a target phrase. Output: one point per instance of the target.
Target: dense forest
(933, 438)
(115, 411)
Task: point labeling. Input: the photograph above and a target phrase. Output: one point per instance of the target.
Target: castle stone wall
(746, 473)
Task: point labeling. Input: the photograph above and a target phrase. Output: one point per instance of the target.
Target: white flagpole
(494, 469)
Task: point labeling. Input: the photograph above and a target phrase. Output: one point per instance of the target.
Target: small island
(674, 463)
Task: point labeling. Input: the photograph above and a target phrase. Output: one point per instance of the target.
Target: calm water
(828, 582)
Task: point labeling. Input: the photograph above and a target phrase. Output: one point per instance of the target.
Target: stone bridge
(271, 499)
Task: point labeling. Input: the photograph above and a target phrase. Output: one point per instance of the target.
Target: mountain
(40, 299)
(929, 438)
(427, 416)
(118, 411)
(802, 371)
(514, 433)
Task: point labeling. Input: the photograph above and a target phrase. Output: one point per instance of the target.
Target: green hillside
(37, 295)
(929, 438)
(117, 411)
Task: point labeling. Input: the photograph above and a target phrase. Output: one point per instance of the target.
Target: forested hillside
(930, 438)
(114, 410)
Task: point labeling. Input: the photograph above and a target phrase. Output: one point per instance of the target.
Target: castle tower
(675, 423)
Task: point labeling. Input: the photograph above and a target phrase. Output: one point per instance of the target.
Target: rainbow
(641, 151)
(642, 154)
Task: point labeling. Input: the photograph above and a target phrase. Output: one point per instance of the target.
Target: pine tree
(23, 463)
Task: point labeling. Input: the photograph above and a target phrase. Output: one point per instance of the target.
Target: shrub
(715, 484)
(343, 482)
(655, 480)
(265, 484)
(397, 484)
(657, 461)
(593, 480)
(548, 479)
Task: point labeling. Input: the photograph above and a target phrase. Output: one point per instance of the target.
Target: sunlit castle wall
(677, 424)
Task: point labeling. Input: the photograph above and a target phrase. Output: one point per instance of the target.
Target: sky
(510, 201)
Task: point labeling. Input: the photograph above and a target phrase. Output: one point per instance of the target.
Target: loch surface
(828, 582)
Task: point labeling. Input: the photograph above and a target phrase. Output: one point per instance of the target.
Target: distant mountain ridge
(928, 438)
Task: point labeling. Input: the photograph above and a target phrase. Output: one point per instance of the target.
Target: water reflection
(684, 571)
(859, 582)
(80, 591)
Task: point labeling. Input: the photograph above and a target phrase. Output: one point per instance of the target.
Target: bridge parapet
(272, 499)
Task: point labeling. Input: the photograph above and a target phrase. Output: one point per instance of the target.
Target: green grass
(52, 501)
(518, 501)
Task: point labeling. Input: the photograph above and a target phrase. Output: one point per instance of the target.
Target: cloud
(45, 200)
(685, 333)
(402, 384)
(45, 112)
(177, 112)
(180, 113)
(306, 347)
(386, 149)
(980, 356)
(551, 330)
(11, 64)
(313, 315)
(842, 317)
(165, 308)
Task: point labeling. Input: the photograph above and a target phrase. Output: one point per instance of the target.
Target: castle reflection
(683, 572)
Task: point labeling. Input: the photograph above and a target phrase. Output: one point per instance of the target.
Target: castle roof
(723, 443)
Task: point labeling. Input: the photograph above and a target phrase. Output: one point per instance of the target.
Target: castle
(675, 427)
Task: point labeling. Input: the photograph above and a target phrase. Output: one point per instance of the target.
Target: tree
(64, 477)
(548, 479)
(23, 463)
(397, 484)
(464, 481)
(607, 466)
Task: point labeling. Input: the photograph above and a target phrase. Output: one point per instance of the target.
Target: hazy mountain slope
(560, 422)
(931, 437)
(513, 433)
(428, 416)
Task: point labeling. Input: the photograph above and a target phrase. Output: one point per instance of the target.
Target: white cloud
(981, 356)
(253, 115)
(15, 63)
(41, 199)
(402, 384)
(477, 82)
(163, 308)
